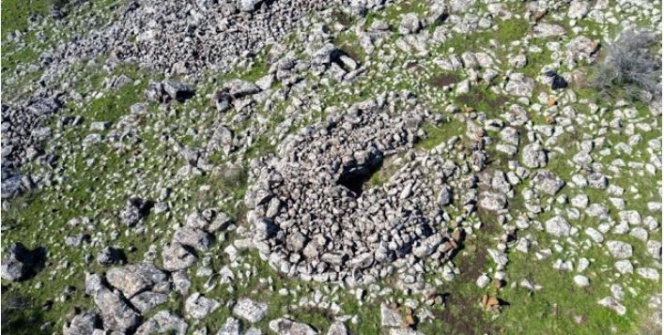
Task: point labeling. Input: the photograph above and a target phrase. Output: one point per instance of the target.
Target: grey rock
(613, 304)
(533, 156)
(163, 322)
(654, 248)
(597, 180)
(100, 125)
(519, 85)
(581, 281)
(82, 324)
(544, 30)
(248, 5)
(557, 226)
(93, 283)
(580, 201)
(198, 306)
(193, 237)
(595, 235)
(232, 326)
(624, 266)
(390, 317)
(239, 88)
(210, 220)
(630, 216)
(283, 326)
(110, 256)
(404, 331)
(19, 263)
(619, 249)
(427, 246)
(134, 210)
(253, 331)
(135, 278)
(410, 24)
(155, 92)
(250, 310)
(179, 91)
(146, 301)
(296, 241)
(493, 201)
(482, 281)
(648, 273)
(445, 196)
(597, 211)
(181, 282)
(337, 328)
(264, 228)
(577, 9)
(175, 257)
(117, 315)
(222, 101)
(546, 182)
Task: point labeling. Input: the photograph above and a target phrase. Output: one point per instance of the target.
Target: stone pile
(312, 216)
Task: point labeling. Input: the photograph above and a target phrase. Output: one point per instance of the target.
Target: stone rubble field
(331, 167)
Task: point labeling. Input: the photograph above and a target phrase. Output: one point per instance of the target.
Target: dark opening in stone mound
(356, 178)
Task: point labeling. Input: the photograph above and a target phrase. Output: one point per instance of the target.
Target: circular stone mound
(313, 216)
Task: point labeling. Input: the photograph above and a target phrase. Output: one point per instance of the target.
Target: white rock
(581, 281)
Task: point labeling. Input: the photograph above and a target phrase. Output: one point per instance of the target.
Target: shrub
(630, 67)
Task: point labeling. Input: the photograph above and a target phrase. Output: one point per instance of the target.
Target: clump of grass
(630, 67)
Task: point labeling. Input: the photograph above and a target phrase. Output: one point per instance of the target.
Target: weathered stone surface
(198, 306)
(19, 263)
(557, 226)
(390, 317)
(546, 182)
(134, 210)
(619, 249)
(178, 91)
(248, 5)
(519, 85)
(544, 30)
(232, 326)
(250, 310)
(82, 324)
(135, 278)
(110, 256)
(240, 88)
(163, 322)
(337, 328)
(533, 156)
(116, 314)
(146, 301)
(493, 201)
(287, 327)
(193, 237)
(175, 257)
(613, 304)
(410, 24)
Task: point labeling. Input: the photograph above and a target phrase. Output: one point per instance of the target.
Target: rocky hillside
(331, 167)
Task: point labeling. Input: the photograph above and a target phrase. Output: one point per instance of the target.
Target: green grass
(506, 32)
(440, 134)
(348, 43)
(15, 14)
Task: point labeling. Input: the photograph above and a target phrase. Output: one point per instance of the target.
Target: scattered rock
(619, 249)
(20, 263)
(198, 306)
(250, 310)
(287, 327)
